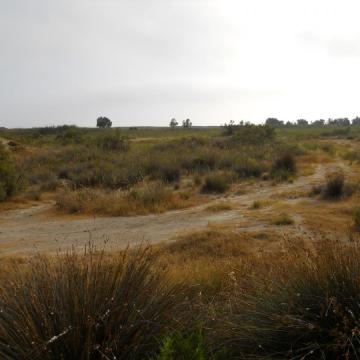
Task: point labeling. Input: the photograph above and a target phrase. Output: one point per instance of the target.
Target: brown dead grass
(207, 258)
(219, 207)
(140, 201)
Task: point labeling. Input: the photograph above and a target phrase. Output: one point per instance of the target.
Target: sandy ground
(24, 231)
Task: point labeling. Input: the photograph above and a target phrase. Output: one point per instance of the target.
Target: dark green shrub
(338, 132)
(215, 183)
(286, 162)
(247, 167)
(70, 136)
(162, 169)
(254, 134)
(284, 167)
(8, 180)
(113, 141)
(169, 173)
(205, 161)
(335, 185)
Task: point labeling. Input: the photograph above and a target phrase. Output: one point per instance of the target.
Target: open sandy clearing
(28, 230)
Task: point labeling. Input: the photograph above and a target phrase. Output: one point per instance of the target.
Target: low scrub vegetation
(113, 141)
(216, 183)
(304, 307)
(143, 199)
(335, 185)
(111, 160)
(284, 167)
(87, 307)
(8, 180)
(289, 304)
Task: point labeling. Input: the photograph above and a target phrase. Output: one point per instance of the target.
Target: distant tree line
(185, 123)
(231, 126)
(274, 122)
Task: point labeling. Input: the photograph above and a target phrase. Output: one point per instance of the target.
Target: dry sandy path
(28, 230)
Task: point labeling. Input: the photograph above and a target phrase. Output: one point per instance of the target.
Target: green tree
(173, 123)
(103, 122)
(187, 123)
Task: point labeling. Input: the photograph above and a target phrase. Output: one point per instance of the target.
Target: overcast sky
(142, 62)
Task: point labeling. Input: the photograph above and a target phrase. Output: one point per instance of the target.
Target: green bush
(201, 162)
(72, 135)
(7, 175)
(161, 168)
(185, 347)
(216, 183)
(247, 167)
(188, 346)
(113, 141)
(284, 167)
(254, 134)
(286, 162)
(335, 185)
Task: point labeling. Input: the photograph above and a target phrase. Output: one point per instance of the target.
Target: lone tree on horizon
(187, 123)
(103, 122)
(173, 123)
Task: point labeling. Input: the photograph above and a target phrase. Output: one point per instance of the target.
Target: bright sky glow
(142, 62)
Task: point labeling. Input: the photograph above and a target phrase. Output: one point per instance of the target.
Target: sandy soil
(24, 231)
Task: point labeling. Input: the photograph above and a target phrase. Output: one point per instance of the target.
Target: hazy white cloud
(142, 62)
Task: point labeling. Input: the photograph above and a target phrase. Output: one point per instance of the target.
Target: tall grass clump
(301, 305)
(90, 306)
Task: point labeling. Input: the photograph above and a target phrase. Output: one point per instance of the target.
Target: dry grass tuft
(295, 305)
(283, 219)
(219, 207)
(87, 306)
(208, 243)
